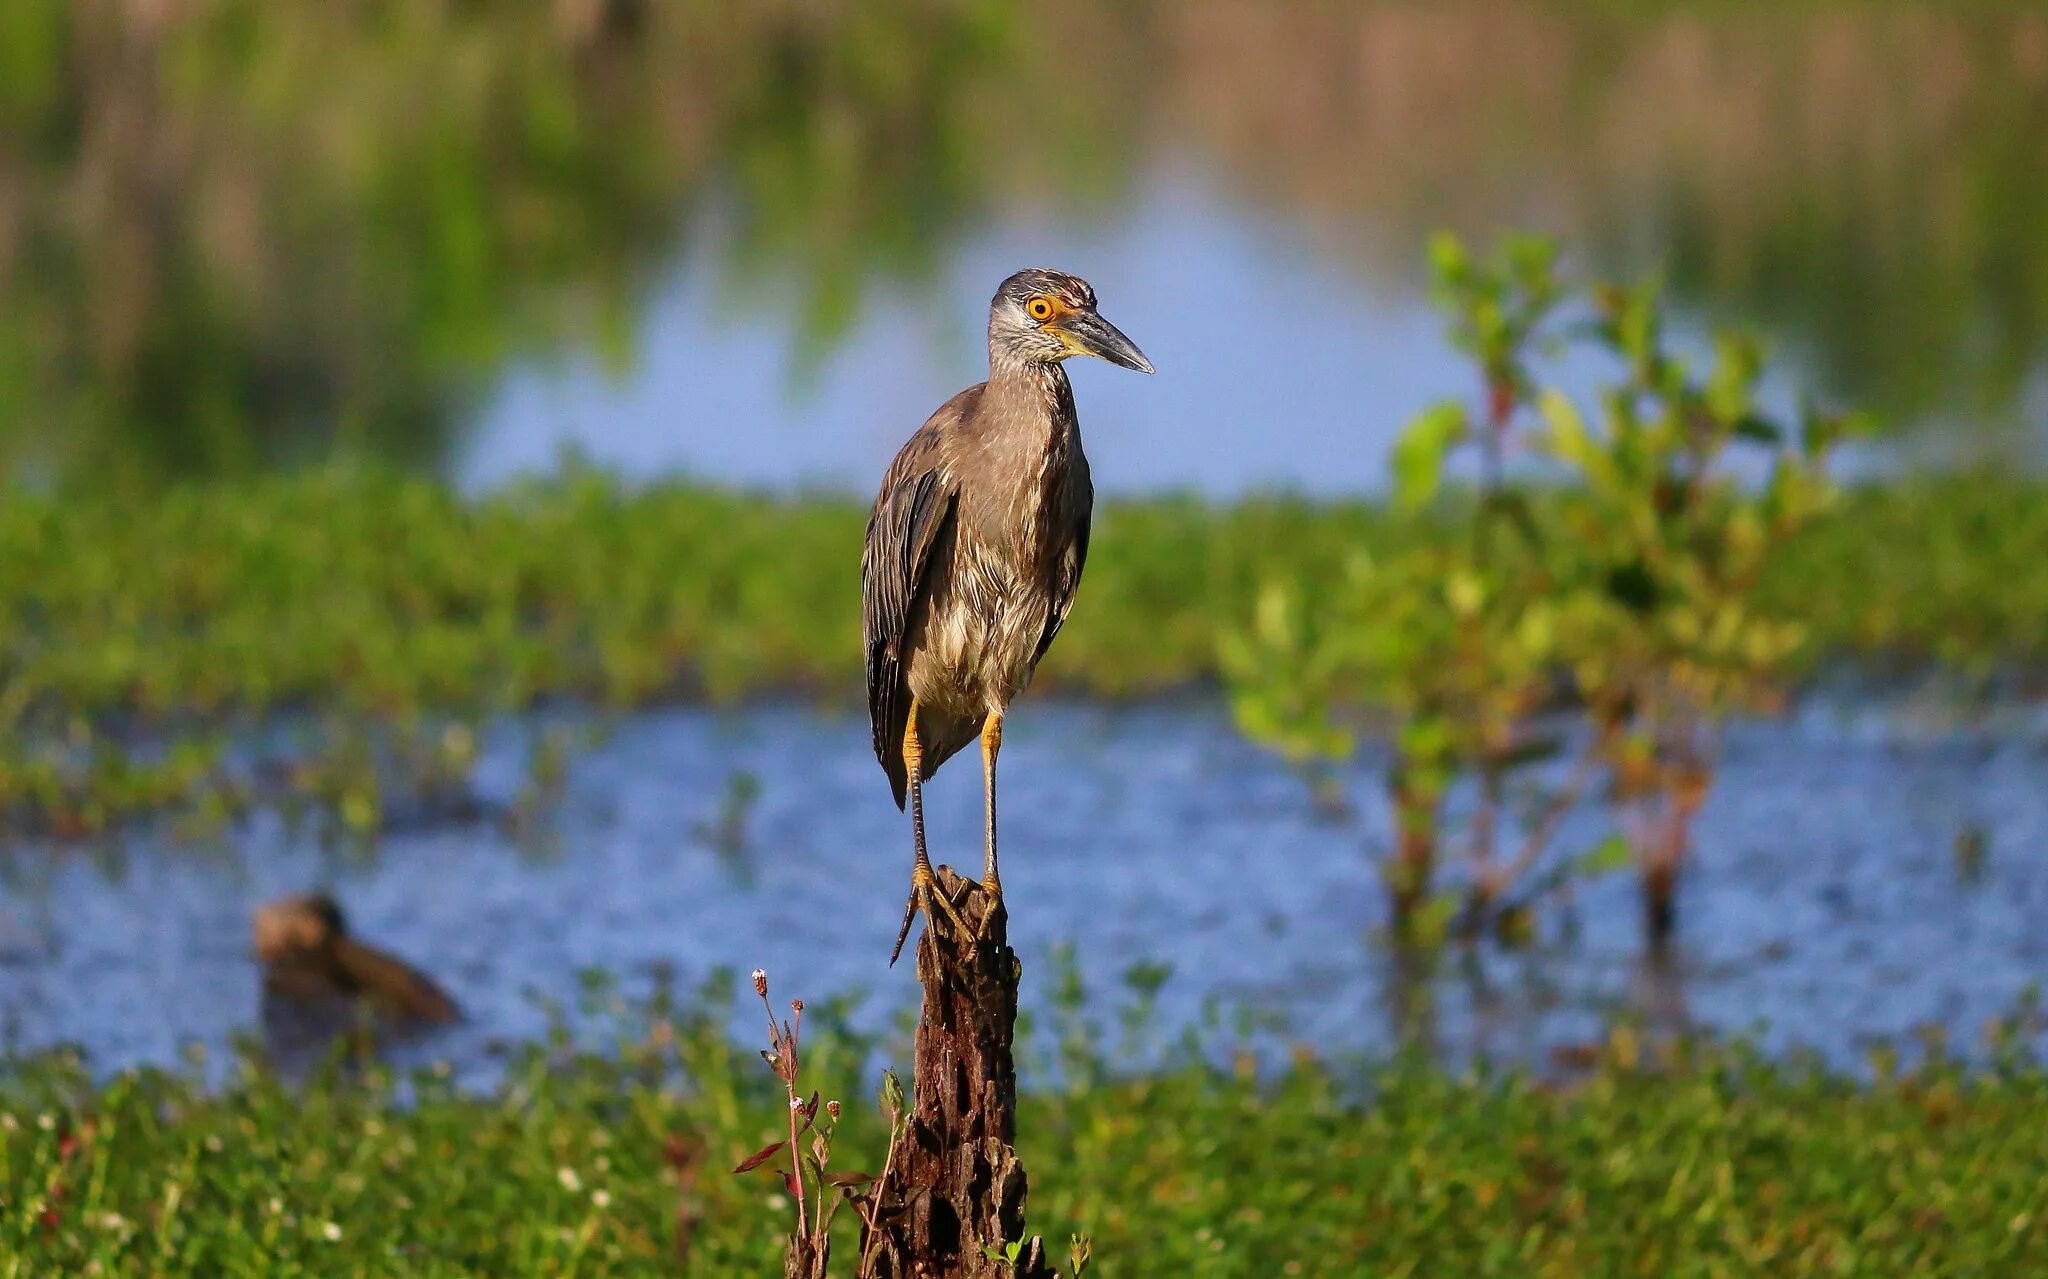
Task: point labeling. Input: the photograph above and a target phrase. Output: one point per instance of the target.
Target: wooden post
(954, 1191)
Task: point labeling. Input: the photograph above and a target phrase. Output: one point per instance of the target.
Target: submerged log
(952, 1201)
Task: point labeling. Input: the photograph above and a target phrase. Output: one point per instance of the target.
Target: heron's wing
(1067, 575)
(913, 510)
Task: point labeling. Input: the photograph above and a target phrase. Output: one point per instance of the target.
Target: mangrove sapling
(1442, 644)
(1668, 537)
(1501, 313)
(1453, 635)
(1617, 604)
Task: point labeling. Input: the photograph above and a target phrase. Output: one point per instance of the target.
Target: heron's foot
(925, 896)
(993, 891)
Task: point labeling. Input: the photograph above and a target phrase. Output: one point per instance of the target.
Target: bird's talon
(909, 914)
(946, 907)
(925, 895)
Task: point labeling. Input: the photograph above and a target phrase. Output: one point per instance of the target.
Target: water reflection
(1278, 374)
(234, 235)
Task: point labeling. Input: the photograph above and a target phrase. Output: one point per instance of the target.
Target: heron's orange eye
(1039, 308)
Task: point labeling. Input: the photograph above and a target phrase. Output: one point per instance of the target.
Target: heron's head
(1043, 317)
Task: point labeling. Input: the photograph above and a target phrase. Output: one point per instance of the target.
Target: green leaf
(1418, 460)
(1760, 429)
(1449, 263)
(1604, 858)
(1513, 505)
(1465, 591)
(1432, 921)
(1568, 437)
(1532, 260)
(1633, 586)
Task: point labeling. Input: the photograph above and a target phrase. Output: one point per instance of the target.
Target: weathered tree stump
(952, 1200)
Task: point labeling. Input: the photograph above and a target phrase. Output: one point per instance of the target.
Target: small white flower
(570, 1181)
(601, 1198)
(778, 1202)
(213, 1143)
(46, 1121)
(331, 1232)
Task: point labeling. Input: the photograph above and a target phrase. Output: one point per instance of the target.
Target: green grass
(1705, 1161)
(129, 620)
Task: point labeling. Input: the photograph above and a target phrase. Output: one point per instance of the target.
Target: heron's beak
(1089, 334)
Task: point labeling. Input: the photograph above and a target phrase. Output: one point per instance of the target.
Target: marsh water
(1827, 908)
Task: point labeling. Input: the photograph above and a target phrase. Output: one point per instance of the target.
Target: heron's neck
(1030, 391)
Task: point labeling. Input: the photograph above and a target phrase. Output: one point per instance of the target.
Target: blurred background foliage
(235, 234)
(240, 234)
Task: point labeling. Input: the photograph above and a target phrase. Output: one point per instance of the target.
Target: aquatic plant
(1592, 594)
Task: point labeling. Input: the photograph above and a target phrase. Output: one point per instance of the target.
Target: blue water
(1825, 907)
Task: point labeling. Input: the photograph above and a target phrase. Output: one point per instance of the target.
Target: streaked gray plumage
(978, 538)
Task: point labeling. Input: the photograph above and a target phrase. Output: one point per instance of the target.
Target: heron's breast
(980, 630)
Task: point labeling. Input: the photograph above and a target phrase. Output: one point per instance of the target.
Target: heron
(974, 549)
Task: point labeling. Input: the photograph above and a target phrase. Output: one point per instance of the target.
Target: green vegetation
(134, 619)
(1695, 1161)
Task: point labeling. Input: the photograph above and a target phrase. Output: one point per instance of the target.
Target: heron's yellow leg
(924, 886)
(991, 746)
